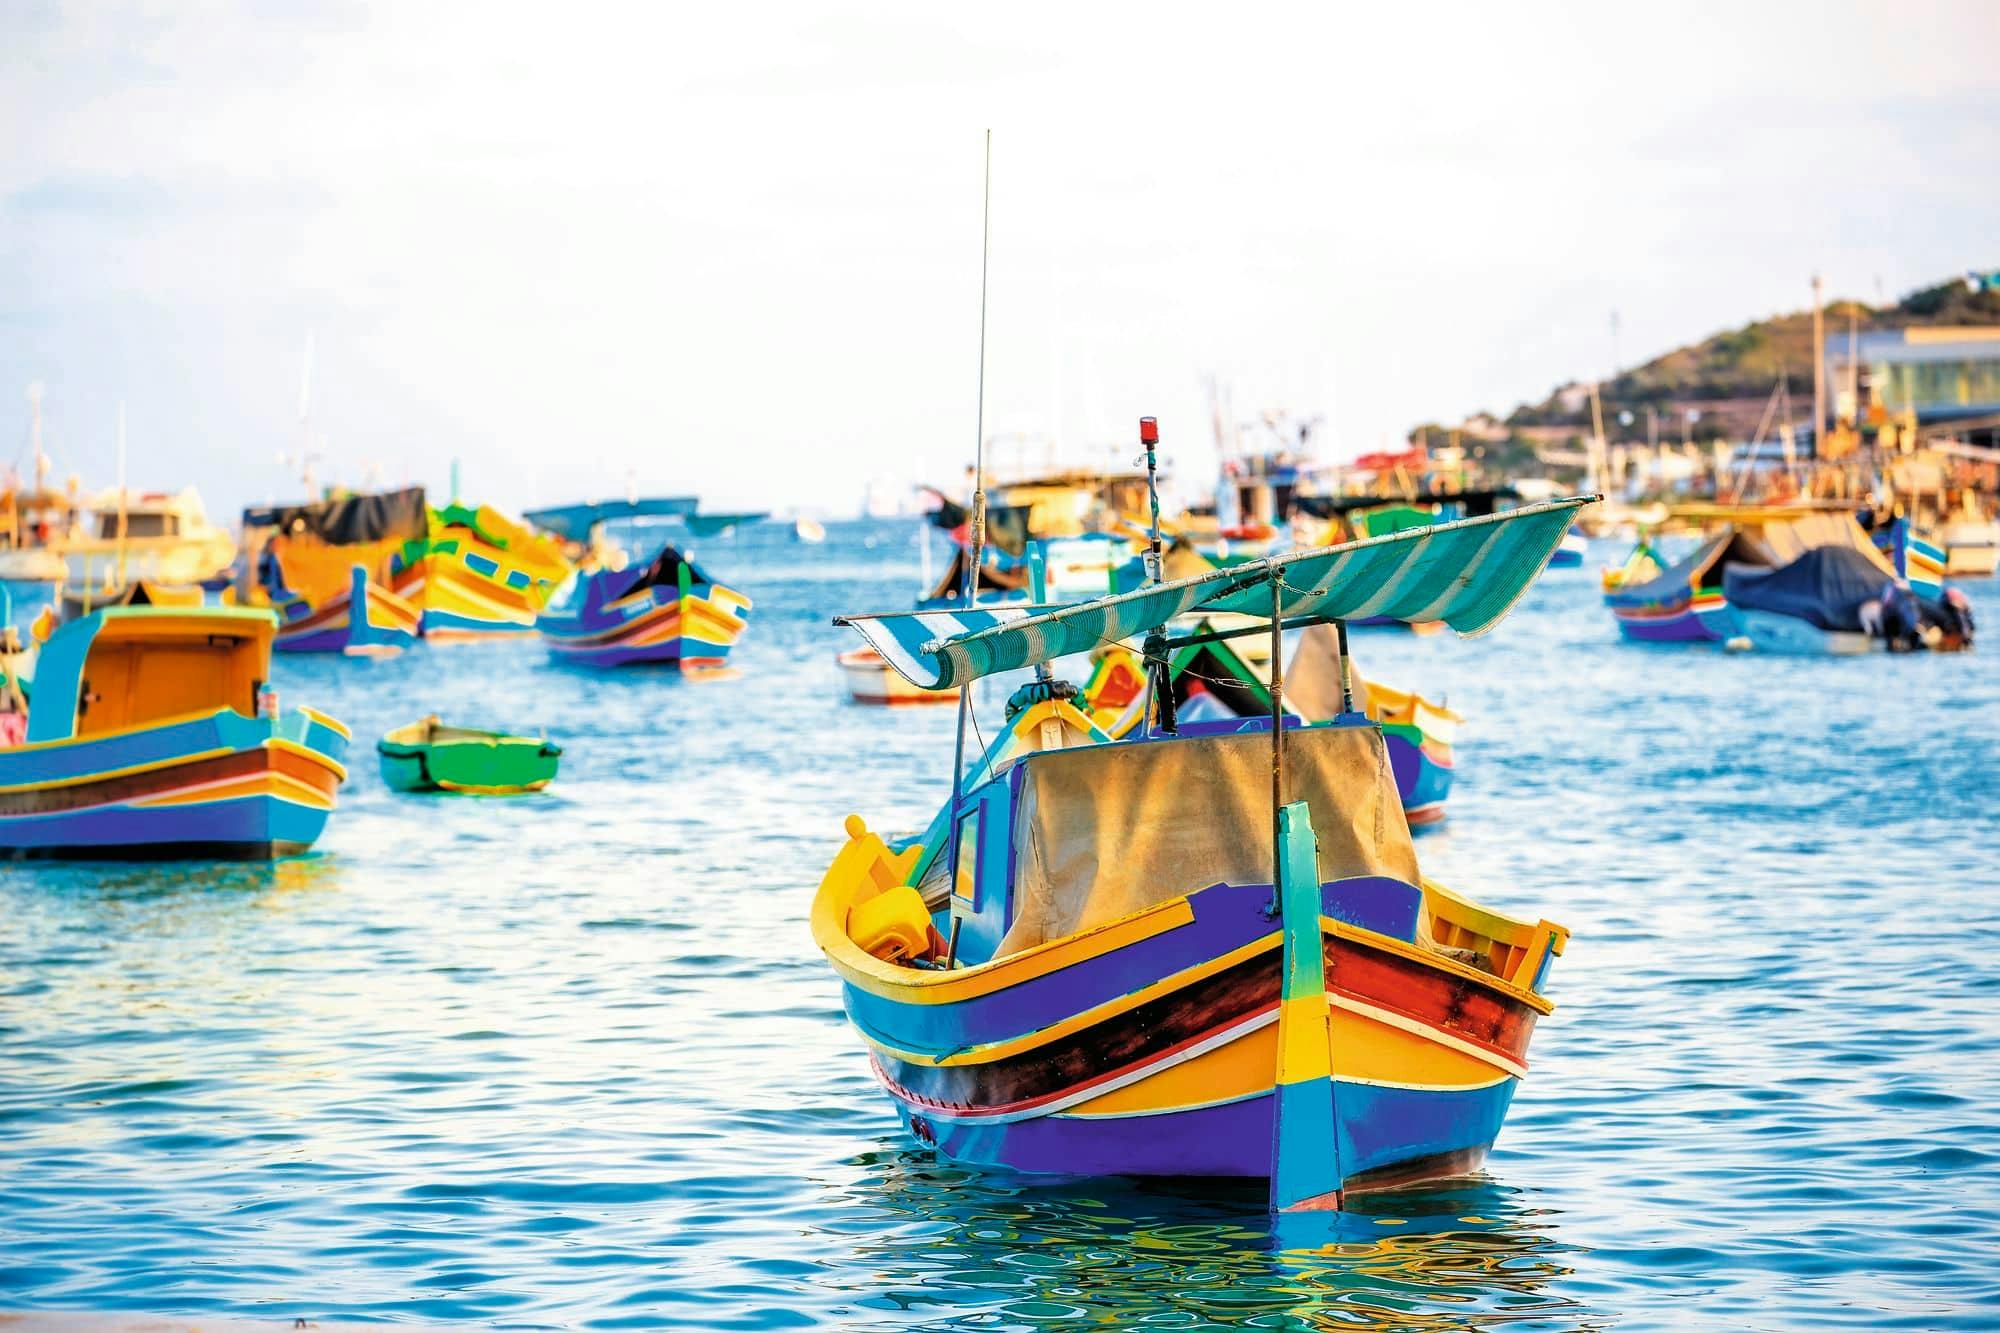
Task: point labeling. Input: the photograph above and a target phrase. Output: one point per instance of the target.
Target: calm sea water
(573, 1060)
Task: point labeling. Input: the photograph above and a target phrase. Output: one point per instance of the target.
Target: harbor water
(573, 1059)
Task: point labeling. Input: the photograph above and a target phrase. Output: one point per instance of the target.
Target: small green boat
(430, 756)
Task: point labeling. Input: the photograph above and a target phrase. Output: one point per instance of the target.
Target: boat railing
(1514, 951)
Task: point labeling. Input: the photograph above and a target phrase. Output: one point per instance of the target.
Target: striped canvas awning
(1467, 574)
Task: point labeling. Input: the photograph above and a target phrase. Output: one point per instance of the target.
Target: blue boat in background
(664, 611)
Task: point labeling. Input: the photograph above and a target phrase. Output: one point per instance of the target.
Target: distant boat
(664, 611)
(427, 755)
(153, 733)
(808, 530)
(476, 574)
(1570, 554)
(129, 537)
(324, 566)
(1687, 602)
(869, 679)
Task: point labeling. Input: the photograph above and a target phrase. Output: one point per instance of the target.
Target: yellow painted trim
(1416, 953)
(508, 790)
(1303, 1053)
(106, 774)
(838, 891)
(1011, 1046)
(1425, 1031)
(268, 783)
(171, 720)
(338, 769)
(325, 721)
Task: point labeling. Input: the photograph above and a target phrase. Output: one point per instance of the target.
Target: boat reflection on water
(166, 895)
(952, 1244)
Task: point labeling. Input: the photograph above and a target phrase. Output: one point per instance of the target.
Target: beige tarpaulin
(1107, 830)
(1793, 538)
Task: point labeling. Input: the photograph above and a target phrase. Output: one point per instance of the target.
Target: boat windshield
(137, 525)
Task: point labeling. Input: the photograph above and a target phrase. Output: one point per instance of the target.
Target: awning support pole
(1346, 676)
(1277, 734)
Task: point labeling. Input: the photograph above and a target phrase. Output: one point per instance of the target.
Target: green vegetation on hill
(1746, 362)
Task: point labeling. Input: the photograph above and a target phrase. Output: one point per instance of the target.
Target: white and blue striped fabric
(1467, 574)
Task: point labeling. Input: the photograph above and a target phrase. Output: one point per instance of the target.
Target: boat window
(968, 859)
(136, 525)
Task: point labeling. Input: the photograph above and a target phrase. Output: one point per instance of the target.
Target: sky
(734, 250)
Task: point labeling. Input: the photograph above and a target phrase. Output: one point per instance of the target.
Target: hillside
(1741, 365)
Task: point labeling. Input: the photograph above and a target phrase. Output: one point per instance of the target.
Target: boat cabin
(129, 666)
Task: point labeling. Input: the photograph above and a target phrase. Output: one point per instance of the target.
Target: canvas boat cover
(1106, 830)
(1766, 545)
(1466, 574)
(1826, 586)
(354, 520)
(662, 571)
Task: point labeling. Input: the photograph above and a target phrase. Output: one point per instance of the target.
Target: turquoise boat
(1193, 954)
(153, 733)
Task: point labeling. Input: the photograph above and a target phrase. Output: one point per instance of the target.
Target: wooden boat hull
(218, 786)
(457, 603)
(869, 679)
(1769, 632)
(654, 625)
(1148, 1046)
(387, 623)
(1694, 618)
(501, 766)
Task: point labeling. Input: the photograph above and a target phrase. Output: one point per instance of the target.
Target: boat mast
(1158, 666)
(978, 543)
(1819, 367)
(123, 502)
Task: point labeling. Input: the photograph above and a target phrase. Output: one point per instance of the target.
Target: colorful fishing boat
(1193, 954)
(1219, 682)
(427, 755)
(663, 611)
(476, 574)
(1686, 602)
(153, 733)
(869, 679)
(323, 568)
(1919, 560)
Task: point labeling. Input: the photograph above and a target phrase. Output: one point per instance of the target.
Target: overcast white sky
(734, 249)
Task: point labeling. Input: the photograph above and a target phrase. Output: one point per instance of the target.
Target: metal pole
(1159, 666)
(1277, 730)
(1346, 678)
(978, 542)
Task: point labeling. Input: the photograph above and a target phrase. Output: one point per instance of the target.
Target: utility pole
(1819, 367)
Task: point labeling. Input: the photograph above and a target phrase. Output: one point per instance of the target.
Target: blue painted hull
(222, 786)
(1385, 1136)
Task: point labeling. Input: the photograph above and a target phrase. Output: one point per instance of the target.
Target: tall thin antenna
(978, 543)
(123, 503)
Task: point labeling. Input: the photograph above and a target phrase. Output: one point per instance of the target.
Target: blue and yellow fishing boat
(664, 611)
(477, 574)
(1193, 954)
(151, 735)
(1688, 602)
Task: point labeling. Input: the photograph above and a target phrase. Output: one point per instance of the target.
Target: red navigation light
(1149, 431)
